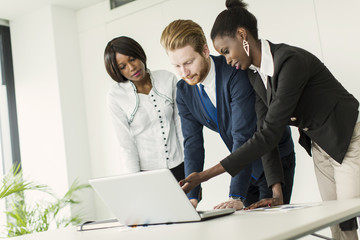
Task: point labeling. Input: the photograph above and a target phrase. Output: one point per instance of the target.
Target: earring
(246, 47)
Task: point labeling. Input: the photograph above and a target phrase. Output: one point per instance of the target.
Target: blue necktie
(209, 107)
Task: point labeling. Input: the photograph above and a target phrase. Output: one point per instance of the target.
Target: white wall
(72, 102)
(61, 86)
(50, 101)
(37, 96)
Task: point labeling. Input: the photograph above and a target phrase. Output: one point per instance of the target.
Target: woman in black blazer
(293, 88)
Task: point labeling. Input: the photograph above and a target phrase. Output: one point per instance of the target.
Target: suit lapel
(199, 104)
(268, 91)
(258, 85)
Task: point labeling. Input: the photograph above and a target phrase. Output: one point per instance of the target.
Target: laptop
(151, 197)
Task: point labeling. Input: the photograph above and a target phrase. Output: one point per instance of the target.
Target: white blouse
(147, 126)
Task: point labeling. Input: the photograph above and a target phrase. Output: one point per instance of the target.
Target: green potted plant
(24, 217)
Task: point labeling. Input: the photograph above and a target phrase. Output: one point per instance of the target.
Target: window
(9, 137)
(118, 3)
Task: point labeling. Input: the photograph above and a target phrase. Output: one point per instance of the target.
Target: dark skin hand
(277, 199)
(194, 179)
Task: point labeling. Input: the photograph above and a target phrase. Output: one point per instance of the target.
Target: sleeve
(243, 120)
(271, 160)
(193, 142)
(130, 161)
(291, 80)
(177, 117)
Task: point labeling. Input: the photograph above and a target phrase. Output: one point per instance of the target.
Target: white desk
(245, 225)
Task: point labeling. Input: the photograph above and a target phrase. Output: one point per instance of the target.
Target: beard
(204, 67)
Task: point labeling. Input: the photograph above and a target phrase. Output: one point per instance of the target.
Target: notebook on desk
(151, 197)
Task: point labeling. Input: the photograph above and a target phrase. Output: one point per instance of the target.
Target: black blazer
(301, 93)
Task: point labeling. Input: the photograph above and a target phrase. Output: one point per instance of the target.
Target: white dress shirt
(147, 126)
(267, 63)
(209, 83)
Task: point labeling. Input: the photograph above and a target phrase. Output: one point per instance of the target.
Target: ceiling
(10, 9)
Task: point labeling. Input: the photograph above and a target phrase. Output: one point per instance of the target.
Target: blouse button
(155, 105)
(163, 132)
(293, 119)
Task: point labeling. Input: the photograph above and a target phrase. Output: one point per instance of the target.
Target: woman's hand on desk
(266, 202)
(277, 198)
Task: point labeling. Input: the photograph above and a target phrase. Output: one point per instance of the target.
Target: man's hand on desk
(194, 202)
(231, 203)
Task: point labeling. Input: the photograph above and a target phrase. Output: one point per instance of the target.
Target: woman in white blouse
(143, 110)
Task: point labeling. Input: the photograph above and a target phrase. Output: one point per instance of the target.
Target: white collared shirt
(148, 127)
(267, 63)
(209, 83)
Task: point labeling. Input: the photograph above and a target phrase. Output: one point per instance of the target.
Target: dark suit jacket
(236, 122)
(302, 93)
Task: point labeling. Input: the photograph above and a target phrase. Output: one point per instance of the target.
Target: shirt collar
(209, 81)
(267, 61)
